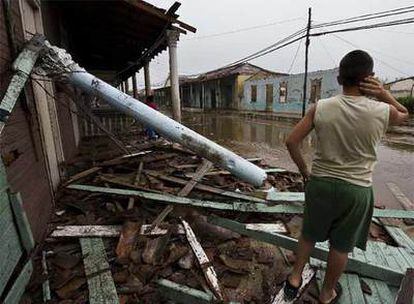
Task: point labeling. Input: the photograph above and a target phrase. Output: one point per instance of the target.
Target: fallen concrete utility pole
(57, 61)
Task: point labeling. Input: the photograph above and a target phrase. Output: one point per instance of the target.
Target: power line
(376, 58)
(365, 27)
(326, 50)
(245, 29)
(294, 57)
(366, 17)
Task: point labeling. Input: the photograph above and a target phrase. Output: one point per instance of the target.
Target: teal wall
(293, 104)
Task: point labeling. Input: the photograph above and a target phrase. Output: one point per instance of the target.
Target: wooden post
(127, 86)
(306, 61)
(147, 79)
(134, 86)
(173, 36)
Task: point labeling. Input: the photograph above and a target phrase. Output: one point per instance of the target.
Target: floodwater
(265, 139)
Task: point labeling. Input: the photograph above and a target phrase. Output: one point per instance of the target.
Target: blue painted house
(284, 94)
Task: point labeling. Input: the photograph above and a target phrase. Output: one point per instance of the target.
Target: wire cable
(295, 57)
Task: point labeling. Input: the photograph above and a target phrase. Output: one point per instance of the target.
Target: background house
(401, 87)
(284, 94)
(217, 89)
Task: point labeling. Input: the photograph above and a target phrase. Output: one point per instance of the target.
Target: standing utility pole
(306, 61)
(172, 38)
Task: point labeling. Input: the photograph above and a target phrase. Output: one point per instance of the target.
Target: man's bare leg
(336, 266)
(303, 253)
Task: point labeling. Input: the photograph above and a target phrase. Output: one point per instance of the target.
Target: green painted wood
(231, 206)
(401, 238)
(6, 215)
(277, 196)
(22, 222)
(22, 66)
(3, 177)
(381, 293)
(10, 253)
(100, 282)
(351, 287)
(183, 294)
(19, 285)
(356, 265)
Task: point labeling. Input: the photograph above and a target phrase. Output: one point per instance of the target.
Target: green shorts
(337, 211)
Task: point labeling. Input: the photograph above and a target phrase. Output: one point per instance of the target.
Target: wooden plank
(171, 199)
(131, 200)
(102, 231)
(206, 188)
(19, 286)
(183, 294)
(381, 293)
(401, 238)
(270, 228)
(81, 175)
(22, 222)
(86, 231)
(100, 282)
(201, 171)
(208, 270)
(406, 292)
(285, 196)
(223, 172)
(355, 264)
(307, 276)
(6, 213)
(234, 206)
(10, 253)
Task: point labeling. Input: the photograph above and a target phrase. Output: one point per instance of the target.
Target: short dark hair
(354, 67)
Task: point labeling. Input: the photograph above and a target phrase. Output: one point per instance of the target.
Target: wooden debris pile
(138, 228)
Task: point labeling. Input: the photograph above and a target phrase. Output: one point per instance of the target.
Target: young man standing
(338, 191)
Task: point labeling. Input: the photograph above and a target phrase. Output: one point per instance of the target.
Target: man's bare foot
(294, 280)
(326, 297)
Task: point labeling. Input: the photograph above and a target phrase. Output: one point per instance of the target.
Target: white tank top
(348, 131)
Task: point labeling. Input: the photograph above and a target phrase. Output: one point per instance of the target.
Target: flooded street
(265, 139)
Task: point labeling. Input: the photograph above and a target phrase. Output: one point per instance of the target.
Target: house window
(316, 85)
(283, 92)
(253, 93)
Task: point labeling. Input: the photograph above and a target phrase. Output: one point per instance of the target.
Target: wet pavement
(264, 138)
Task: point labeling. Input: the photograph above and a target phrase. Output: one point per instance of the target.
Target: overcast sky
(212, 46)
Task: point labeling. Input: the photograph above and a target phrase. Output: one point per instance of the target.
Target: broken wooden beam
(307, 275)
(102, 231)
(183, 294)
(204, 262)
(201, 171)
(223, 172)
(22, 67)
(230, 206)
(355, 263)
(405, 202)
(131, 200)
(81, 175)
(100, 282)
(206, 188)
(127, 240)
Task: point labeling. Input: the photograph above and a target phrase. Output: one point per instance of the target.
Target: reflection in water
(266, 139)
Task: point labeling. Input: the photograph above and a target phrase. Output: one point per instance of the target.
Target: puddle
(263, 138)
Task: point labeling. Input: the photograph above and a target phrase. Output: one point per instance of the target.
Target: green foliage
(408, 102)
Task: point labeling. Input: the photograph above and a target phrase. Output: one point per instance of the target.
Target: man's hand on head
(371, 86)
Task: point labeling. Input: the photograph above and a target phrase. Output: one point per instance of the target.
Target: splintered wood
(127, 240)
(201, 171)
(208, 270)
(307, 276)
